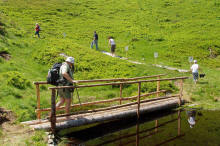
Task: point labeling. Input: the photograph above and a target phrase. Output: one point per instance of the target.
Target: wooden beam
(53, 111)
(38, 101)
(158, 85)
(121, 86)
(79, 120)
(118, 83)
(107, 80)
(102, 101)
(119, 106)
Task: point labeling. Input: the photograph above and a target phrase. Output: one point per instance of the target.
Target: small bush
(2, 31)
(16, 94)
(43, 87)
(4, 50)
(38, 136)
(17, 80)
(111, 95)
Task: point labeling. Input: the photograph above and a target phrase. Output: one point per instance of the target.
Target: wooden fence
(119, 82)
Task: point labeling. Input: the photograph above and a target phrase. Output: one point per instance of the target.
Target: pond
(185, 127)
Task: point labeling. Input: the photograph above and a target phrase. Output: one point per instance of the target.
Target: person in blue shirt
(95, 40)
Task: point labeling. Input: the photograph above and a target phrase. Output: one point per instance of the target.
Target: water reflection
(163, 128)
(191, 113)
(127, 138)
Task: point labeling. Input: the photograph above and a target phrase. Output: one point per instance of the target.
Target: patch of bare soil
(12, 134)
(5, 55)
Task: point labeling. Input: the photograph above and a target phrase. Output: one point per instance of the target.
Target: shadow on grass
(204, 82)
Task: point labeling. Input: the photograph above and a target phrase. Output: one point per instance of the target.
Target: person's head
(94, 31)
(37, 24)
(109, 37)
(195, 61)
(70, 61)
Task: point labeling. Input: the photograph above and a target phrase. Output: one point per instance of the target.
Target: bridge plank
(89, 118)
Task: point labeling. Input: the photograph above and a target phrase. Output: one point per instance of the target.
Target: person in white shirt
(111, 43)
(195, 73)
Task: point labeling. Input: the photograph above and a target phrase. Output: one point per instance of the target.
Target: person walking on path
(95, 40)
(112, 44)
(195, 73)
(37, 30)
(66, 79)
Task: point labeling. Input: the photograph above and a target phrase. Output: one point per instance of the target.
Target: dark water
(181, 128)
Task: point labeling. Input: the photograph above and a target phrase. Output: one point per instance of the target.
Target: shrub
(4, 50)
(38, 136)
(2, 31)
(17, 80)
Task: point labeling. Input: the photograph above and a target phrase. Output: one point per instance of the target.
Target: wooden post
(53, 111)
(138, 100)
(121, 85)
(137, 134)
(181, 91)
(38, 101)
(179, 123)
(156, 125)
(158, 86)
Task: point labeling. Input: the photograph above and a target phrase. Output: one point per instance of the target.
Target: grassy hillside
(174, 29)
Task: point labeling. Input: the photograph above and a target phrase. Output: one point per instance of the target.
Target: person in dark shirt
(95, 40)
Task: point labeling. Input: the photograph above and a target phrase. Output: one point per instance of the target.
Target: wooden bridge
(137, 105)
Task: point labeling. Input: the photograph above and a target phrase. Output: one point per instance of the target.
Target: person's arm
(66, 76)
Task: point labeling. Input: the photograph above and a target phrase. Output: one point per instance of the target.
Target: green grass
(174, 29)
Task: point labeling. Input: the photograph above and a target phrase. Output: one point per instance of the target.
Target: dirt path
(11, 133)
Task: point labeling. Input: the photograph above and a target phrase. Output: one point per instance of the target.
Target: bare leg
(61, 102)
(68, 103)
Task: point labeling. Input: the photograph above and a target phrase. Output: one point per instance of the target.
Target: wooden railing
(39, 110)
(53, 98)
(120, 82)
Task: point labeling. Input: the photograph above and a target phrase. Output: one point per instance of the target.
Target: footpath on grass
(156, 65)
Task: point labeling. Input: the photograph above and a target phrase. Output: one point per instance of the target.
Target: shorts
(113, 48)
(65, 93)
(195, 76)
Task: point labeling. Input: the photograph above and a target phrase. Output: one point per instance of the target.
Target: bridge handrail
(117, 83)
(38, 83)
(107, 80)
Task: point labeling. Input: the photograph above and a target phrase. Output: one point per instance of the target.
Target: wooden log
(156, 124)
(82, 120)
(118, 106)
(107, 80)
(118, 79)
(117, 83)
(121, 92)
(53, 111)
(40, 82)
(103, 101)
(158, 85)
(179, 123)
(38, 101)
(103, 109)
